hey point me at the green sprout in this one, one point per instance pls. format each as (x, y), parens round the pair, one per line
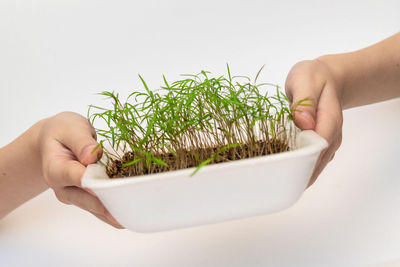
(198, 120)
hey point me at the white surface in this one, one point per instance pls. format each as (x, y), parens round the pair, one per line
(54, 55)
(216, 193)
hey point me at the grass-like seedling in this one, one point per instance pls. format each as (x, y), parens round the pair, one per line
(192, 122)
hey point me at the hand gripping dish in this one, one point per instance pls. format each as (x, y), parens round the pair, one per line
(218, 192)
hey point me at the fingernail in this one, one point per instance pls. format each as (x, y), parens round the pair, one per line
(87, 150)
(307, 115)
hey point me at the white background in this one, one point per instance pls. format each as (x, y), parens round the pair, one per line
(55, 55)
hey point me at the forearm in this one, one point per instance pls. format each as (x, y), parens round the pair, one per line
(20, 171)
(368, 75)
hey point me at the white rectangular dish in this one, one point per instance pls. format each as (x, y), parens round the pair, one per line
(216, 193)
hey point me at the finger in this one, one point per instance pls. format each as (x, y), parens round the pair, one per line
(323, 160)
(303, 88)
(319, 167)
(317, 170)
(106, 220)
(81, 198)
(76, 133)
(329, 113)
(329, 125)
(63, 172)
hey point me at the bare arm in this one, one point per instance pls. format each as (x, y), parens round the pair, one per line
(340, 81)
(368, 75)
(20, 172)
(52, 153)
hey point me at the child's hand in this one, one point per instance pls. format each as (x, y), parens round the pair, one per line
(66, 144)
(314, 79)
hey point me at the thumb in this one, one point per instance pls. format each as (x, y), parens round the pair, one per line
(303, 91)
(90, 153)
(77, 134)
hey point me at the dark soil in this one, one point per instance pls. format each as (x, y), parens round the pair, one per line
(189, 158)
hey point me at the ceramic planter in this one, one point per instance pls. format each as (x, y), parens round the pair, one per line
(218, 192)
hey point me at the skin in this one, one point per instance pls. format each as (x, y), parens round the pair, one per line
(53, 153)
(342, 81)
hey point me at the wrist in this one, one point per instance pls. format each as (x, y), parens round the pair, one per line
(21, 170)
(36, 143)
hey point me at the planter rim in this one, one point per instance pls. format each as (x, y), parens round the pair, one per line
(95, 176)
